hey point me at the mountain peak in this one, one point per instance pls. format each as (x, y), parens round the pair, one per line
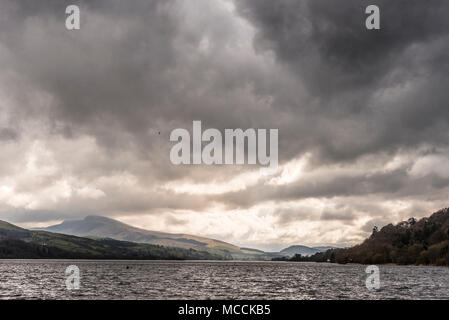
(99, 218)
(104, 227)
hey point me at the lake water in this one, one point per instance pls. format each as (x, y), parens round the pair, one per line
(46, 279)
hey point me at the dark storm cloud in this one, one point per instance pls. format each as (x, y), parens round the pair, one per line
(347, 68)
(115, 64)
(132, 73)
(348, 56)
(136, 70)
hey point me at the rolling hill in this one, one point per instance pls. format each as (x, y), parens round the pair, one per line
(302, 250)
(418, 242)
(99, 227)
(19, 243)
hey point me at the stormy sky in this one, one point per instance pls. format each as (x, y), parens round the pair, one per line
(363, 115)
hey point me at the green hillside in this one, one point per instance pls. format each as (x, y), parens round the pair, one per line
(418, 242)
(18, 243)
(102, 227)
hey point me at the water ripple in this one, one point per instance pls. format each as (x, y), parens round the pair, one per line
(45, 279)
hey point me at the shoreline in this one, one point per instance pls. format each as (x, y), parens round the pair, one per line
(214, 261)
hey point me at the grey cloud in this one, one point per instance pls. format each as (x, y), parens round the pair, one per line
(336, 185)
(286, 216)
(7, 134)
(340, 216)
(136, 70)
(346, 68)
(348, 55)
(172, 220)
(116, 202)
(131, 72)
(390, 185)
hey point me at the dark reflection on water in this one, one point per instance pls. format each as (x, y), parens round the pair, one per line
(45, 279)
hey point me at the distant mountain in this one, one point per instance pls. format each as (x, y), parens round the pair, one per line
(420, 242)
(102, 227)
(303, 250)
(19, 243)
(325, 248)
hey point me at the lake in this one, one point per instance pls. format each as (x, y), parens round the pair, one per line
(46, 279)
